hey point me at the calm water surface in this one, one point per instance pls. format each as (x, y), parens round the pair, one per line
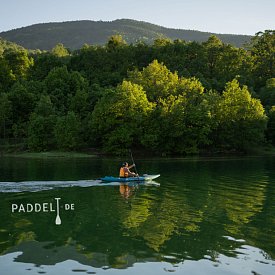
(202, 216)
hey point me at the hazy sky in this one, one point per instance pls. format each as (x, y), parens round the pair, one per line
(219, 16)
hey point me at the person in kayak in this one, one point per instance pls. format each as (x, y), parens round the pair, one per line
(125, 172)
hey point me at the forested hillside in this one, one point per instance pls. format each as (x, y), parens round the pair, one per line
(75, 34)
(171, 97)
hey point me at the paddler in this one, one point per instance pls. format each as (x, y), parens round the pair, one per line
(125, 172)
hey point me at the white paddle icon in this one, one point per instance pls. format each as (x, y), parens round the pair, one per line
(57, 219)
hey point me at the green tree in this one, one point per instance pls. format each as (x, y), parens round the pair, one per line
(7, 78)
(224, 63)
(23, 103)
(180, 122)
(43, 63)
(60, 51)
(262, 49)
(62, 85)
(267, 93)
(162, 41)
(67, 132)
(271, 125)
(142, 54)
(5, 45)
(5, 114)
(188, 59)
(191, 59)
(233, 62)
(79, 103)
(242, 120)
(213, 48)
(156, 80)
(119, 115)
(44, 106)
(116, 41)
(41, 126)
(19, 62)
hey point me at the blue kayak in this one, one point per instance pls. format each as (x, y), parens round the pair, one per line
(130, 179)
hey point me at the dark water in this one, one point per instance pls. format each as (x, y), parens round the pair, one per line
(202, 216)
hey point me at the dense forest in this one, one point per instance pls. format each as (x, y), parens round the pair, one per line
(74, 34)
(171, 97)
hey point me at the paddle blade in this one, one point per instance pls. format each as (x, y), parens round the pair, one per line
(57, 220)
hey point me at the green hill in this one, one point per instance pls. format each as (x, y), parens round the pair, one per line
(75, 34)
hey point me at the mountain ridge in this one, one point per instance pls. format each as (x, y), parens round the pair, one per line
(74, 34)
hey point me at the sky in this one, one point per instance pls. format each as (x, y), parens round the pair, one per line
(217, 16)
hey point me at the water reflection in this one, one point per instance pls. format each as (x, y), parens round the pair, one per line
(126, 190)
(214, 213)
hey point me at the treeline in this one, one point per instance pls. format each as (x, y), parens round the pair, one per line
(169, 97)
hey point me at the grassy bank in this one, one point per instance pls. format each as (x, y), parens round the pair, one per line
(40, 155)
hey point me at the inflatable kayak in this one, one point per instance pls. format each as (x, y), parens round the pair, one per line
(130, 179)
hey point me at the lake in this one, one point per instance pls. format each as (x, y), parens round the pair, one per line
(202, 216)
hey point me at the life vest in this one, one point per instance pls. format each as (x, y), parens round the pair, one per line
(123, 173)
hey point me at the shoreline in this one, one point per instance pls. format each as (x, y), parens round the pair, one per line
(95, 153)
(51, 154)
